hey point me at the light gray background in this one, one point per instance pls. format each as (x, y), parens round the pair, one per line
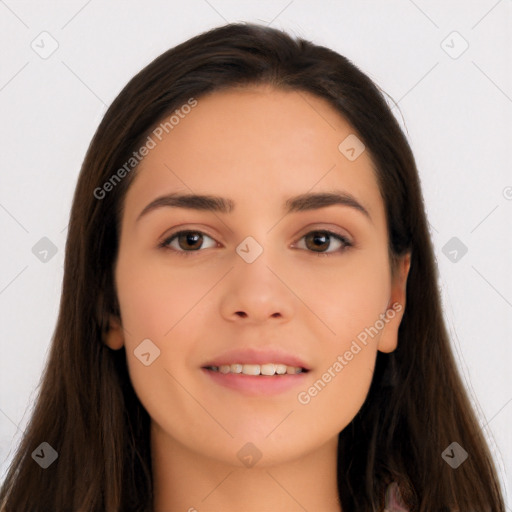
(457, 109)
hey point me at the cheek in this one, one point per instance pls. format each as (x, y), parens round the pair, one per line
(159, 304)
(347, 297)
(338, 393)
(154, 297)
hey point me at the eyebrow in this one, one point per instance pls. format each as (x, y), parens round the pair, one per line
(300, 203)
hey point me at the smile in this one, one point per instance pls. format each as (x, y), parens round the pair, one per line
(257, 380)
(257, 369)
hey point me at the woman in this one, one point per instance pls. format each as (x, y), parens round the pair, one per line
(250, 318)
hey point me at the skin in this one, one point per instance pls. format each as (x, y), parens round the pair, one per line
(257, 146)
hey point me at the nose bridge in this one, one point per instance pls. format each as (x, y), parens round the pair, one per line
(258, 232)
(257, 290)
(250, 249)
(257, 262)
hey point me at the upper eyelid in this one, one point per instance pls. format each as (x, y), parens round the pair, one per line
(309, 228)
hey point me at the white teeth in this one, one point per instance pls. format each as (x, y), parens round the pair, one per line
(251, 369)
(257, 369)
(236, 368)
(280, 369)
(268, 369)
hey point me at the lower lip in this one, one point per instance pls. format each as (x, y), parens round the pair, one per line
(257, 385)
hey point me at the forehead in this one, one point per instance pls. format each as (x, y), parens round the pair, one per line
(258, 145)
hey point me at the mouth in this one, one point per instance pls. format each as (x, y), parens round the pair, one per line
(268, 379)
(267, 369)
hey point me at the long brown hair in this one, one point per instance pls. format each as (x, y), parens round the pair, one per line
(86, 408)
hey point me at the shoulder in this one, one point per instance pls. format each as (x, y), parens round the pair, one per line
(394, 502)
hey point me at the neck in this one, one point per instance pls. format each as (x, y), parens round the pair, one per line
(186, 481)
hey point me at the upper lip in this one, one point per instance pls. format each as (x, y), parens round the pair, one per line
(257, 356)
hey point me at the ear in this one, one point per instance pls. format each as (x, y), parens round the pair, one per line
(113, 337)
(392, 317)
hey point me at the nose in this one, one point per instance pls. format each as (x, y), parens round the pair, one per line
(257, 291)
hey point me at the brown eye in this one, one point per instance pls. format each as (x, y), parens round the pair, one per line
(318, 241)
(187, 241)
(190, 240)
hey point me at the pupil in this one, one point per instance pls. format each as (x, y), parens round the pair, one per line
(190, 237)
(324, 244)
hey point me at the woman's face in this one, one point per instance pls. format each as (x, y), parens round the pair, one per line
(260, 284)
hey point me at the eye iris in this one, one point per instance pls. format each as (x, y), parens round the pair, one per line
(316, 236)
(188, 236)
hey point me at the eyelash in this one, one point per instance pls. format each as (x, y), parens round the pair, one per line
(344, 240)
